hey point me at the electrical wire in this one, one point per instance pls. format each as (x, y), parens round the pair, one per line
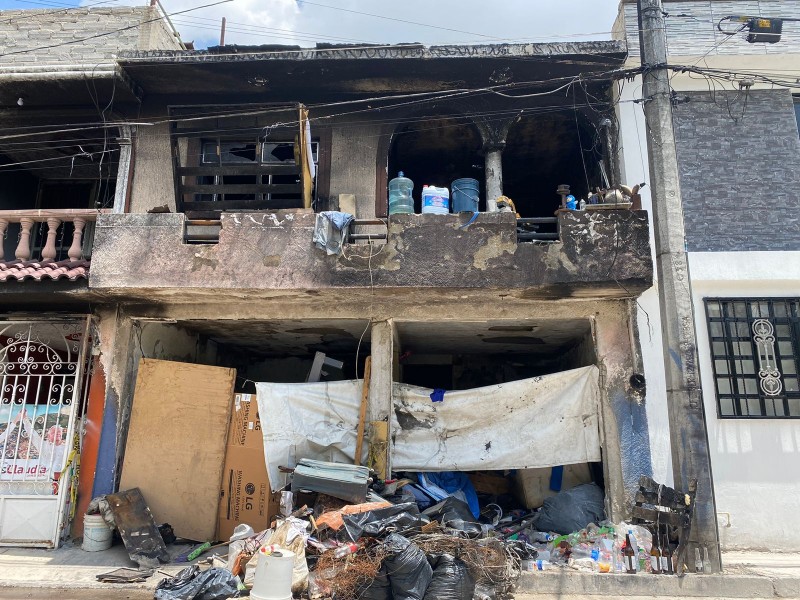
(439, 27)
(113, 31)
(57, 11)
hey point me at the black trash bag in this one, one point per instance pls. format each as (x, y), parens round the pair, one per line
(572, 510)
(167, 533)
(400, 518)
(408, 569)
(451, 579)
(454, 513)
(378, 588)
(191, 584)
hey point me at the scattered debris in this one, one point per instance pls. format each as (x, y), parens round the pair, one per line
(125, 575)
(193, 584)
(137, 528)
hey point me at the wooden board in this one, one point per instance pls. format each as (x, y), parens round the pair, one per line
(137, 528)
(175, 450)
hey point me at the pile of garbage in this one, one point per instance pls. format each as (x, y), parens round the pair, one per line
(342, 534)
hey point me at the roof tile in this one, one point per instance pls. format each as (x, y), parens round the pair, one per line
(22, 270)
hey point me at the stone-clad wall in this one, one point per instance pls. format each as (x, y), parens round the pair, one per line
(740, 171)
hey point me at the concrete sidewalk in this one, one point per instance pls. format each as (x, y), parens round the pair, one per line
(69, 572)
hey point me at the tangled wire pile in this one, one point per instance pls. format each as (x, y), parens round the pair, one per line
(488, 560)
(345, 577)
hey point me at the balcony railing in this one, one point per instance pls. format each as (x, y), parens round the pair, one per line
(31, 244)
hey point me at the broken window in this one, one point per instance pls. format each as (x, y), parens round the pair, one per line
(243, 158)
(755, 350)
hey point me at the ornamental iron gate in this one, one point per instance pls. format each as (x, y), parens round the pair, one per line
(43, 386)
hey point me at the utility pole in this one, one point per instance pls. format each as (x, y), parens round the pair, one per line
(687, 424)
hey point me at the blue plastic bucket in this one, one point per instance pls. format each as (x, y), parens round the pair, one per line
(465, 195)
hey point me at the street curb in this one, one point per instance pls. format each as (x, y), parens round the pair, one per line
(568, 582)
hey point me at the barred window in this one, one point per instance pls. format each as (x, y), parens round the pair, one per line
(755, 347)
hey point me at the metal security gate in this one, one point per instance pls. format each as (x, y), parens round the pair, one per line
(43, 384)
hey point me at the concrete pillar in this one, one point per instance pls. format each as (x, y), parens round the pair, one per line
(624, 430)
(383, 368)
(493, 165)
(124, 169)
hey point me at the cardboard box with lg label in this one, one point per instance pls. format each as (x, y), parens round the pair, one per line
(245, 495)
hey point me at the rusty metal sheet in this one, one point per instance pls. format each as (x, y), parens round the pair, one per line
(137, 528)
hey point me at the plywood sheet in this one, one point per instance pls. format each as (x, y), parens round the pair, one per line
(175, 450)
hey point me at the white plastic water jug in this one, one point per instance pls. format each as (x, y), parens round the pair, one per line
(435, 200)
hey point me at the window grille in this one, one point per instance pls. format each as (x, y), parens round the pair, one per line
(755, 347)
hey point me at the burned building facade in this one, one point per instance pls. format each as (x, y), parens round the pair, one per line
(202, 250)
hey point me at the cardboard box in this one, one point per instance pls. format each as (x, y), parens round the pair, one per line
(245, 494)
(490, 483)
(533, 485)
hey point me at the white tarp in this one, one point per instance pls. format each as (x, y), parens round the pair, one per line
(532, 423)
(538, 422)
(308, 420)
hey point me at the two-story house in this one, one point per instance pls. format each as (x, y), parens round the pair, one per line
(206, 254)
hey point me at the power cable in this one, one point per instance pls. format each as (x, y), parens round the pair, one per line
(439, 27)
(113, 31)
(58, 11)
(250, 27)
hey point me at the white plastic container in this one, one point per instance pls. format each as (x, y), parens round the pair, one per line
(96, 534)
(273, 578)
(435, 200)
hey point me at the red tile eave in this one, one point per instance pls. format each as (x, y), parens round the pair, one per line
(29, 270)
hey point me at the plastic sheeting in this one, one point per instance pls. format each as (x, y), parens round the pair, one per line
(308, 420)
(531, 423)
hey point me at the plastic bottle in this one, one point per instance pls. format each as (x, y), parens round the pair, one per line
(400, 199)
(582, 204)
(542, 565)
(698, 562)
(571, 202)
(344, 550)
(542, 537)
(435, 200)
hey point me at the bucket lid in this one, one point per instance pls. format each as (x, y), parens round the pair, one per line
(259, 597)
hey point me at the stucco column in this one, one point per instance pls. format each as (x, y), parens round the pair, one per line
(624, 430)
(493, 165)
(380, 384)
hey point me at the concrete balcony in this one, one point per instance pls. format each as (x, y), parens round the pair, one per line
(601, 255)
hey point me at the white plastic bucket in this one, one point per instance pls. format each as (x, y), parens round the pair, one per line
(96, 534)
(435, 200)
(273, 578)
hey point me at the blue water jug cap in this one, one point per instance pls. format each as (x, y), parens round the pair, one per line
(400, 174)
